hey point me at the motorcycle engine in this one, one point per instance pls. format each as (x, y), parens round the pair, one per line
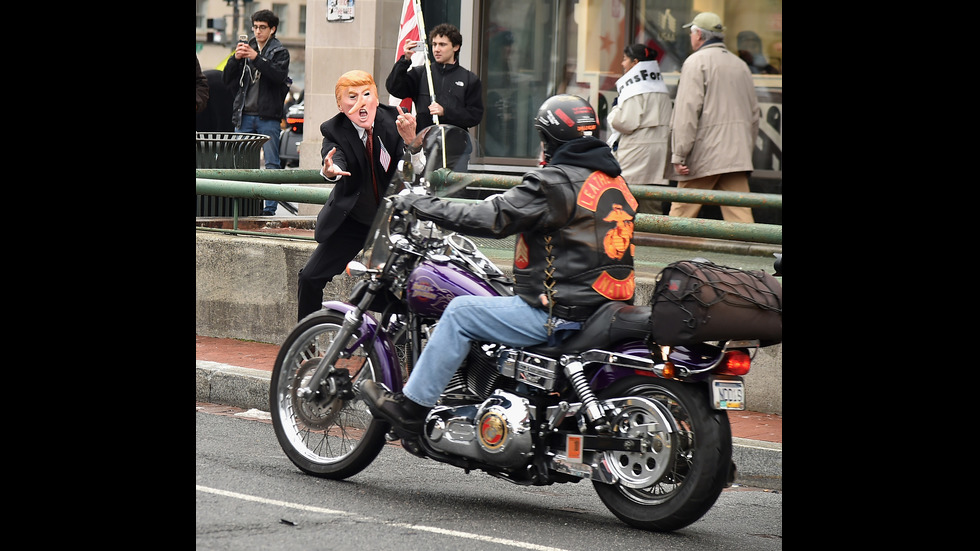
(497, 432)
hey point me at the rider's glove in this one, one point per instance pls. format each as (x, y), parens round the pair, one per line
(403, 203)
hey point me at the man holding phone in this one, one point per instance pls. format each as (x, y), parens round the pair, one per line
(260, 68)
(458, 91)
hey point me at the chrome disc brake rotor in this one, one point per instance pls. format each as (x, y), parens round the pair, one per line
(320, 412)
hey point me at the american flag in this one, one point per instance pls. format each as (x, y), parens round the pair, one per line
(385, 157)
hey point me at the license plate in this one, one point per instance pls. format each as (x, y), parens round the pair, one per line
(728, 394)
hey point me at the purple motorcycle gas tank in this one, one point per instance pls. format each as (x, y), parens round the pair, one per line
(432, 285)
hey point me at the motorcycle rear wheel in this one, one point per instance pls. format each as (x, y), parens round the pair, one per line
(329, 437)
(702, 459)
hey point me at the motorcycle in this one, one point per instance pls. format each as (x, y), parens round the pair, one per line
(646, 424)
(291, 136)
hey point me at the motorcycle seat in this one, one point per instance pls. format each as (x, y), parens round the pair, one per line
(612, 322)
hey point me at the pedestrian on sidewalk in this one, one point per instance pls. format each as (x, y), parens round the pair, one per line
(203, 90)
(641, 115)
(260, 67)
(458, 91)
(715, 121)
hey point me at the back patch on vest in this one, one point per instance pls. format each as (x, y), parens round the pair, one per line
(597, 184)
(615, 289)
(619, 239)
(611, 198)
(607, 196)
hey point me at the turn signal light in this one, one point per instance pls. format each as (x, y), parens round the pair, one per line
(736, 363)
(666, 370)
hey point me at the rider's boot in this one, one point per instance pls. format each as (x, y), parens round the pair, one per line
(394, 407)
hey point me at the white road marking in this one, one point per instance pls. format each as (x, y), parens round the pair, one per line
(421, 528)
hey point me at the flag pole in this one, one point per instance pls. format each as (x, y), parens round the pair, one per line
(425, 50)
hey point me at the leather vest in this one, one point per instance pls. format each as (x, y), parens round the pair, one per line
(588, 261)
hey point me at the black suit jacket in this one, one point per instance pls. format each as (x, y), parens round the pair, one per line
(339, 132)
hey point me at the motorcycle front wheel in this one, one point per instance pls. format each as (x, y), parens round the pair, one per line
(701, 462)
(333, 435)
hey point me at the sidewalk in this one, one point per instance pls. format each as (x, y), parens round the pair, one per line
(247, 366)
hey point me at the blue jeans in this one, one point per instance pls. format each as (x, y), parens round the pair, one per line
(252, 124)
(506, 320)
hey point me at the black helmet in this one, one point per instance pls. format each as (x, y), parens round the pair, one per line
(563, 118)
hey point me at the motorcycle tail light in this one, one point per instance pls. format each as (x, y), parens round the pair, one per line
(294, 120)
(736, 362)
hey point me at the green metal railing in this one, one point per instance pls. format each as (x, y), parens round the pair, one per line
(255, 184)
(229, 150)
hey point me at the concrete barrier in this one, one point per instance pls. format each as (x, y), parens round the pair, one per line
(246, 289)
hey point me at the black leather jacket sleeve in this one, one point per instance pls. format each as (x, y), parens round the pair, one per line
(532, 205)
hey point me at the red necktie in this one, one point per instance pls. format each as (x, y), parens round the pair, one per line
(369, 144)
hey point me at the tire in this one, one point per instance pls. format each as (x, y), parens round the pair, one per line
(333, 437)
(701, 461)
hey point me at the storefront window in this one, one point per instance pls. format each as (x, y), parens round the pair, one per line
(534, 49)
(753, 29)
(519, 54)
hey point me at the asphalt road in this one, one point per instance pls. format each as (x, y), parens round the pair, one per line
(250, 496)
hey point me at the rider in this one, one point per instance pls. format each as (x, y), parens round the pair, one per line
(574, 223)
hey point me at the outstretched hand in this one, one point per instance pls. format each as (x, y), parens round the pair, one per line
(331, 170)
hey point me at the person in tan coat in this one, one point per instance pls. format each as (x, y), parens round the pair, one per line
(715, 121)
(641, 115)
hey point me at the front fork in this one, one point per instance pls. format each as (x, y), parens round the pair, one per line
(354, 319)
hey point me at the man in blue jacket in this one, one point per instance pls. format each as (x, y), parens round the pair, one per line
(260, 68)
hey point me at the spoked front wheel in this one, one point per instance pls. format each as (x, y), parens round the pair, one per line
(665, 497)
(333, 434)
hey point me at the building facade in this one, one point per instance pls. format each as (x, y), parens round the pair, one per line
(524, 52)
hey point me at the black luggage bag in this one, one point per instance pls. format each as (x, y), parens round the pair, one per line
(696, 301)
